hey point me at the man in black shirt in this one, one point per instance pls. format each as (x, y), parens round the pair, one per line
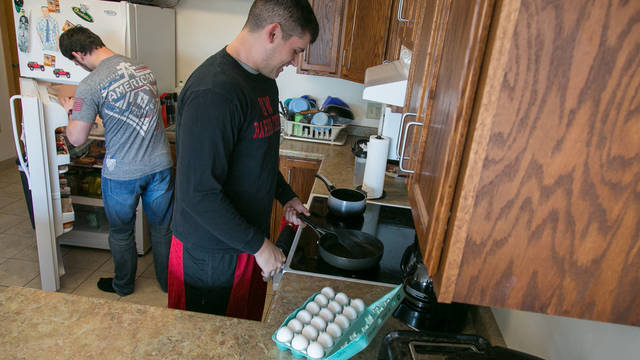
(227, 142)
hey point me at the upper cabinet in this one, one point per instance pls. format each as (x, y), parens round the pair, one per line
(526, 167)
(352, 37)
(403, 26)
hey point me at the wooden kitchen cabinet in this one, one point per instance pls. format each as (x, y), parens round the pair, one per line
(300, 174)
(405, 20)
(352, 37)
(527, 170)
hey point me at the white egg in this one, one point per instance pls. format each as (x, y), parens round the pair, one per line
(342, 298)
(326, 314)
(295, 325)
(335, 307)
(350, 312)
(321, 300)
(328, 292)
(325, 340)
(358, 304)
(310, 332)
(304, 316)
(313, 308)
(334, 330)
(315, 351)
(299, 342)
(319, 323)
(284, 335)
(342, 321)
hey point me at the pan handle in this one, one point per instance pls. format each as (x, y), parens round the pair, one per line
(326, 181)
(307, 220)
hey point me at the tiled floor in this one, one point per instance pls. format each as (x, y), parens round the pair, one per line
(83, 266)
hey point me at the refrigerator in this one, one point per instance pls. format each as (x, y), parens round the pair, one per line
(143, 33)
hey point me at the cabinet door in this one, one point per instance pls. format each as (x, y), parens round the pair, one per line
(446, 112)
(405, 20)
(366, 25)
(322, 56)
(300, 174)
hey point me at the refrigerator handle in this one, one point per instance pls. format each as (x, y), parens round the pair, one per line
(16, 138)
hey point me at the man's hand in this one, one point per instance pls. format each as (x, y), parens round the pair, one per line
(291, 210)
(270, 258)
(67, 103)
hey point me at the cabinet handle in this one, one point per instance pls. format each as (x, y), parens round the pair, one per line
(400, 6)
(404, 143)
(400, 131)
(16, 138)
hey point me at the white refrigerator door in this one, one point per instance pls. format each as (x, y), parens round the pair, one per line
(41, 115)
(38, 48)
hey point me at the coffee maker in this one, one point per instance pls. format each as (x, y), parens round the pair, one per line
(420, 309)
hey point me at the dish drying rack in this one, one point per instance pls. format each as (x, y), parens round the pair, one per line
(327, 134)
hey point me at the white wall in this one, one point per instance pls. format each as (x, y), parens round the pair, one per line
(556, 337)
(204, 27)
(7, 147)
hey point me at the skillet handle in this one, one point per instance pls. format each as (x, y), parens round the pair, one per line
(307, 220)
(326, 181)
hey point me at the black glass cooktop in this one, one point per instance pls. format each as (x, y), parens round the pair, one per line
(392, 225)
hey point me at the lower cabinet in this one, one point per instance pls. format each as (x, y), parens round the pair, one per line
(300, 174)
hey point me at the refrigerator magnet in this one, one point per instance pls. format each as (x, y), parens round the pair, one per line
(47, 28)
(18, 4)
(54, 6)
(83, 12)
(67, 25)
(23, 32)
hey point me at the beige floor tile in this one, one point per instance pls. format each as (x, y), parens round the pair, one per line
(12, 190)
(89, 287)
(3, 288)
(149, 272)
(10, 176)
(29, 253)
(7, 200)
(143, 264)
(8, 223)
(15, 272)
(147, 292)
(11, 245)
(22, 228)
(14, 207)
(86, 258)
(68, 283)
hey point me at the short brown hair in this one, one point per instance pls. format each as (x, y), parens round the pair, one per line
(79, 39)
(295, 17)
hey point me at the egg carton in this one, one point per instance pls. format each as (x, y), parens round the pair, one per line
(354, 338)
(330, 134)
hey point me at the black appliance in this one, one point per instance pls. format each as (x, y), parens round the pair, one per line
(390, 224)
(443, 346)
(420, 309)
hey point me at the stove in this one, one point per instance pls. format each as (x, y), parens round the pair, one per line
(393, 225)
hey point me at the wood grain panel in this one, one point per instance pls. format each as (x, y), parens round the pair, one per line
(323, 55)
(365, 34)
(556, 218)
(431, 187)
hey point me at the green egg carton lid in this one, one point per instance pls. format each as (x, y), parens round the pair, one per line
(358, 335)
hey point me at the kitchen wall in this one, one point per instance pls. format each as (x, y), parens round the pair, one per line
(7, 147)
(204, 27)
(562, 338)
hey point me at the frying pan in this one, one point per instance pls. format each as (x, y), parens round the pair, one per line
(346, 248)
(343, 201)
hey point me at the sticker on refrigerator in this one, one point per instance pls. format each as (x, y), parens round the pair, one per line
(34, 65)
(54, 6)
(83, 12)
(67, 25)
(18, 4)
(61, 72)
(47, 28)
(23, 32)
(49, 60)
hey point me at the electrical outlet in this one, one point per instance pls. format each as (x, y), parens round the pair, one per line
(374, 110)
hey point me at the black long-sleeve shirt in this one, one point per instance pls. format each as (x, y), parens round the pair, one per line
(227, 143)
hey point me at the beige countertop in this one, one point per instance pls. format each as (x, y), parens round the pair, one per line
(337, 166)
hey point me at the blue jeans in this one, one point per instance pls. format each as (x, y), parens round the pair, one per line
(120, 199)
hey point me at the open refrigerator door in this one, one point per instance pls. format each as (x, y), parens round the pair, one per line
(46, 161)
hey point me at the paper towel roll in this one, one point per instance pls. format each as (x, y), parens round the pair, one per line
(377, 151)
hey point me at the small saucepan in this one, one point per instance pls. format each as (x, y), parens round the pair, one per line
(343, 201)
